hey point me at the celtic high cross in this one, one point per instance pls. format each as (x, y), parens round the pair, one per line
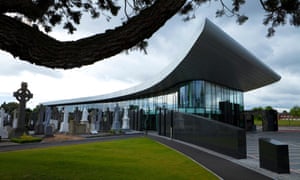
(23, 95)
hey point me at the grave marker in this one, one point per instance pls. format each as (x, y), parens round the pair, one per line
(23, 95)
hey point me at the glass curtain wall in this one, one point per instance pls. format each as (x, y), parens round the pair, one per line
(204, 98)
(197, 97)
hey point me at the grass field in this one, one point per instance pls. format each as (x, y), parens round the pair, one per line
(280, 123)
(136, 158)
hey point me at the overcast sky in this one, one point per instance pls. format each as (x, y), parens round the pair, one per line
(281, 53)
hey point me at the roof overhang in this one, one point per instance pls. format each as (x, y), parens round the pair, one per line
(214, 57)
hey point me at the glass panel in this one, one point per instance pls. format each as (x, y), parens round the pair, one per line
(208, 102)
(198, 96)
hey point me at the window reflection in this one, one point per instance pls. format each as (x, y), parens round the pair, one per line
(198, 97)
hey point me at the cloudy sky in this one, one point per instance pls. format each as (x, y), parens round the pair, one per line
(281, 53)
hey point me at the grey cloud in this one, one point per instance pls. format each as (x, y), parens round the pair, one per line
(6, 97)
(14, 67)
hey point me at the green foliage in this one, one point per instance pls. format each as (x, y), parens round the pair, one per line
(26, 139)
(134, 158)
(258, 108)
(257, 122)
(258, 112)
(267, 108)
(10, 107)
(295, 111)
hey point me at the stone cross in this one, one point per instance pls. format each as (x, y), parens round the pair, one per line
(22, 95)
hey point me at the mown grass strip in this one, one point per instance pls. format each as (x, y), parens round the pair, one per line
(136, 158)
(292, 123)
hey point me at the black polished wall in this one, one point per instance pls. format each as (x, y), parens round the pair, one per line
(214, 135)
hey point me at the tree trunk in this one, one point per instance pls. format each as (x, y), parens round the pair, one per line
(32, 45)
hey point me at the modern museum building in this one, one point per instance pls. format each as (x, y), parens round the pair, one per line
(208, 81)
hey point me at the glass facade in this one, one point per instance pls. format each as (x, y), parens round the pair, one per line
(196, 97)
(204, 98)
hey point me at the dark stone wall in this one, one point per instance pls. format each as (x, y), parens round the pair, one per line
(211, 134)
(270, 120)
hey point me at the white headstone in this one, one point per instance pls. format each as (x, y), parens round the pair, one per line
(54, 124)
(64, 126)
(15, 120)
(84, 118)
(125, 119)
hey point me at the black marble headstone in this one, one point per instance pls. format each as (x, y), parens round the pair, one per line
(274, 155)
(270, 120)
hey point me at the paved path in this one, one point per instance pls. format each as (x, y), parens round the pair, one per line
(222, 167)
(288, 135)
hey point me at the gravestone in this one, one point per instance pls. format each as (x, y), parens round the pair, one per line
(48, 131)
(125, 120)
(84, 120)
(55, 113)
(270, 120)
(93, 116)
(31, 127)
(3, 130)
(15, 119)
(2, 114)
(23, 95)
(39, 126)
(56, 116)
(77, 115)
(274, 155)
(116, 120)
(84, 117)
(99, 120)
(64, 126)
(7, 120)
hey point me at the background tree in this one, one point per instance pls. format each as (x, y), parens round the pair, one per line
(257, 113)
(10, 107)
(268, 108)
(295, 111)
(21, 20)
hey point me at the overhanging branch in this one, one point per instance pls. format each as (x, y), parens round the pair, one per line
(32, 45)
(25, 7)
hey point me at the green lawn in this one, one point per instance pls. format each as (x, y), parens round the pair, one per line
(280, 123)
(136, 158)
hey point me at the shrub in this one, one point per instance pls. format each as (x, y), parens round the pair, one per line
(26, 139)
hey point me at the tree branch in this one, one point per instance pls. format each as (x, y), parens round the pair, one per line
(32, 45)
(26, 7)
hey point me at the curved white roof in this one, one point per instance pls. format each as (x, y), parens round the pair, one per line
(214, 57)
